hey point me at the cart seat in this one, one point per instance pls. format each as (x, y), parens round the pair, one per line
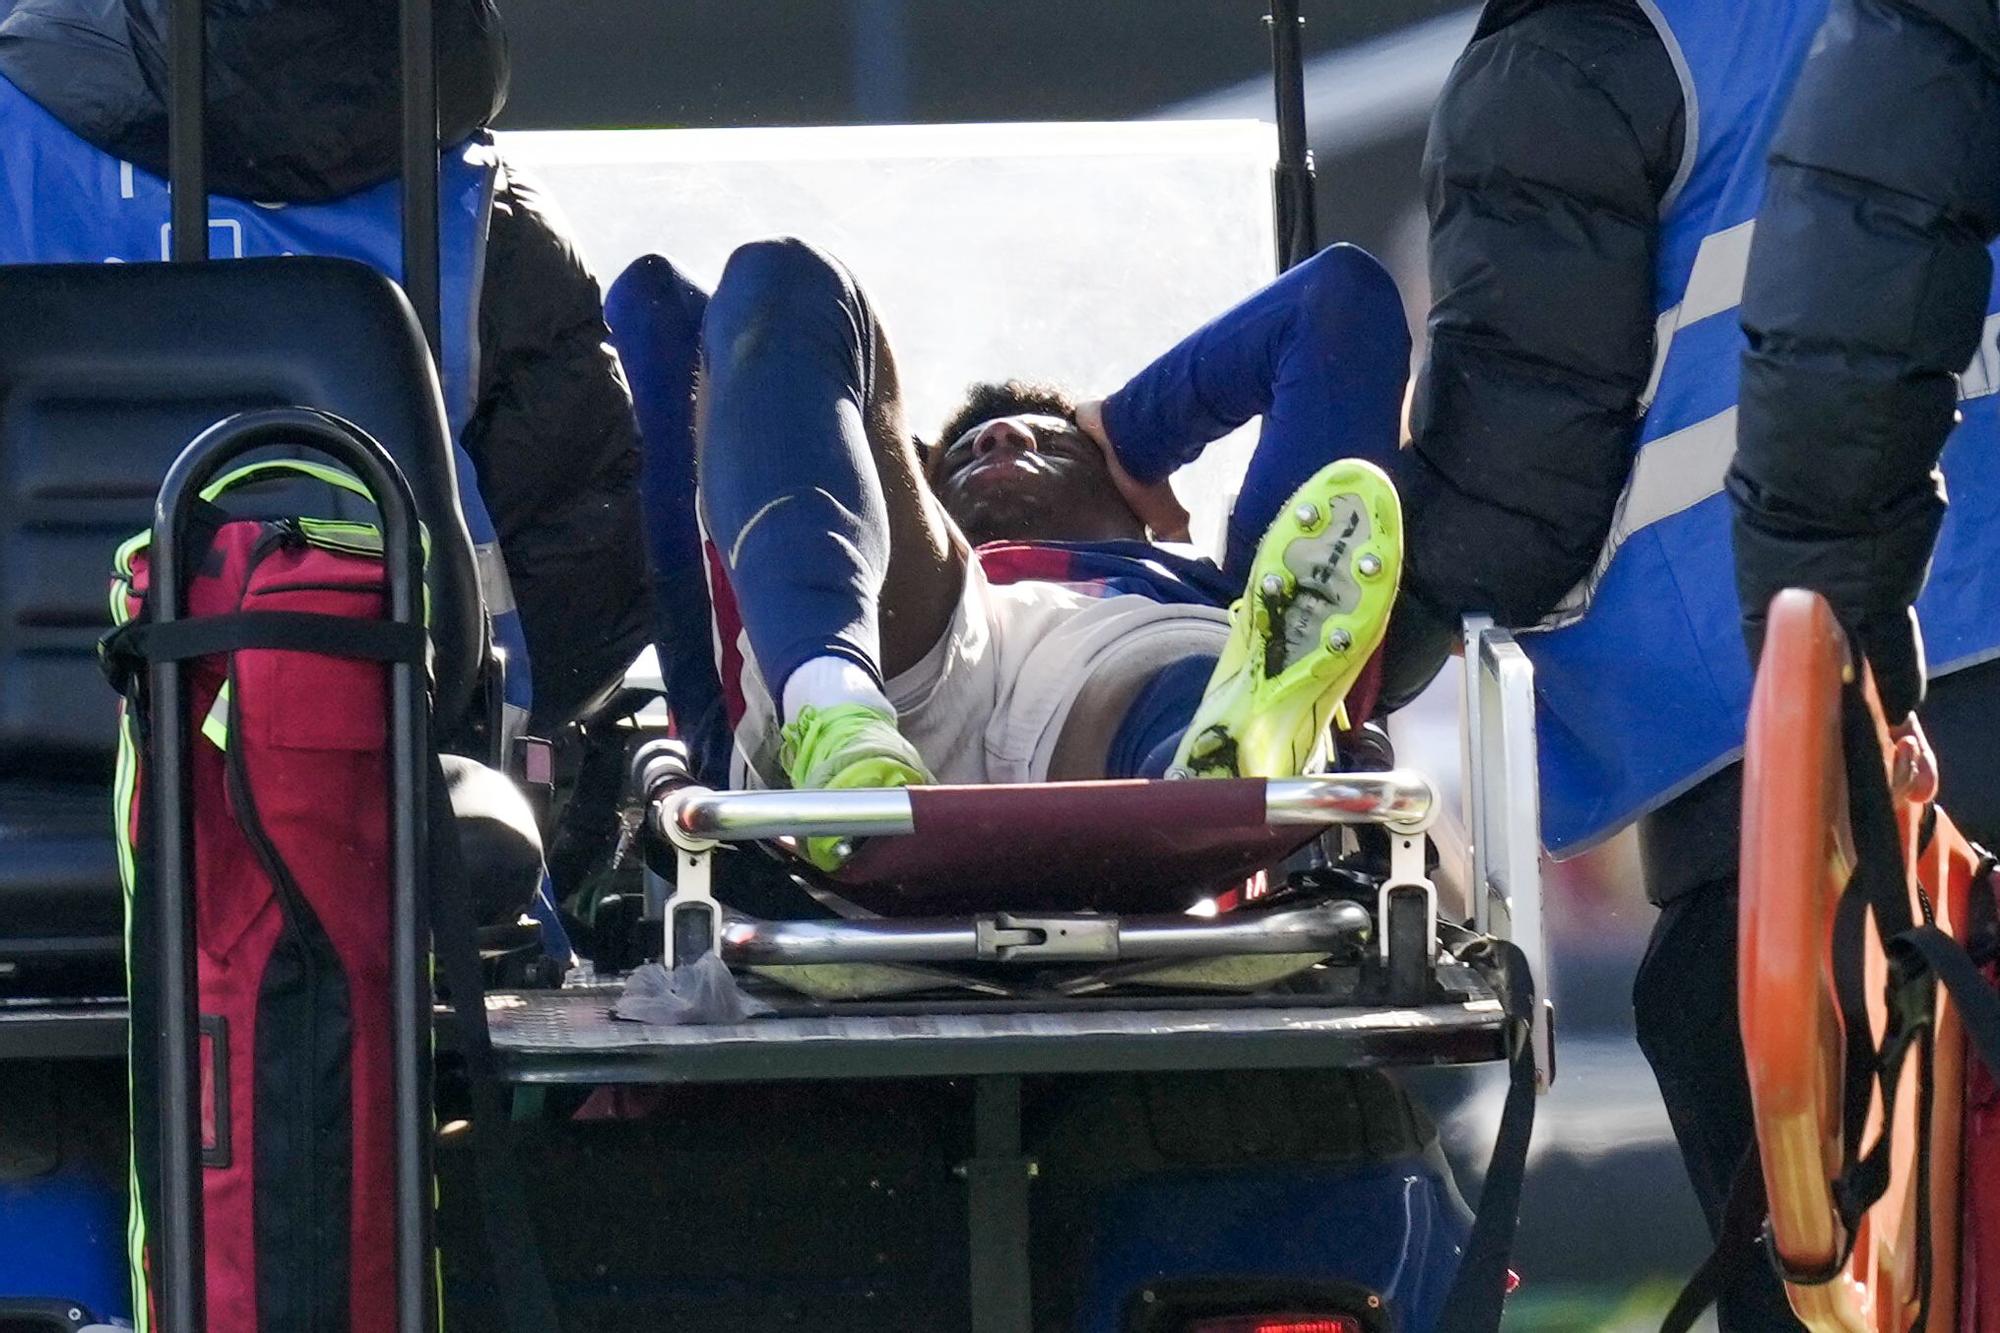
(59, 877)
(106, 372)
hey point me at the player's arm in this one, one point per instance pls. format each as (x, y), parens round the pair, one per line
(1321, 353)
(1866, 295)
(1551, 149)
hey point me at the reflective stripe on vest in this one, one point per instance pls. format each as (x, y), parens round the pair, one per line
(1679, 470)
(1642, 680)
(69, 202)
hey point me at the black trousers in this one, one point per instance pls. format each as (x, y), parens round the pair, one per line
(1684, 999)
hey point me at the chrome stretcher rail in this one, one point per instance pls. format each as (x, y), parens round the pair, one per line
(1400, 798)
(1046, 937)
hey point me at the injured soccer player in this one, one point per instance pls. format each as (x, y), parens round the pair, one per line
(993, 607)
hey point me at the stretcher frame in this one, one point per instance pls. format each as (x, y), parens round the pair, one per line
(1500, 815)
(548, 1038)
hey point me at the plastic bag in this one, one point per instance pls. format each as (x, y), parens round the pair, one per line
(703, 991)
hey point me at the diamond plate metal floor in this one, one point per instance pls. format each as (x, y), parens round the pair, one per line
(572, 1037)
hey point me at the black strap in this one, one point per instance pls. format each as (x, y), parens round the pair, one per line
(1479, 1290)
(1978, 1003)
(295, 631)
(1878, 888)
(1850, 940)
(203, 524)
(1926, 1106)
(519, 1280)
(1738, 1247)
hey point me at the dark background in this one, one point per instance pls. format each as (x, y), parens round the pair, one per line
(838, 62)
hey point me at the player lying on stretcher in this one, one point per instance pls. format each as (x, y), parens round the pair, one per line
(989, 608)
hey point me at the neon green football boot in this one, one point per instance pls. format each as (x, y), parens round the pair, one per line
(847, 745)
(1317, 605)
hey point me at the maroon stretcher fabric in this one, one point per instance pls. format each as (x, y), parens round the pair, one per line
(1117, 846)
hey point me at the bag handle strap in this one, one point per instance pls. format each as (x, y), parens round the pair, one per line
(512, 1252)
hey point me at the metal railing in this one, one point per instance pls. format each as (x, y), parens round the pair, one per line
(693, 815)
(1502, 808)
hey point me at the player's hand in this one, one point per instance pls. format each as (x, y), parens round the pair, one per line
(1913, 764)
(1155, 503)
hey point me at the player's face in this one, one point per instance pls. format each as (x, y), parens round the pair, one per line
(1031, 477)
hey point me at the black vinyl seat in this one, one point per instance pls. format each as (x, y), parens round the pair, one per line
(106, 372)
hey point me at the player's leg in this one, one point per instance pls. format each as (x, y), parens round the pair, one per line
(1337, 388)
(1315, 606)
(655, 312)
(845, 569)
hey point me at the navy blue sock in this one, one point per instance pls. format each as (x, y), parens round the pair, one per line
(1338, 390)
(1321, 353)
(655, 314)
(788, 478)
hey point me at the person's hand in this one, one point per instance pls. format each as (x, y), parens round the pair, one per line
(1155, 503)
(1913, 773)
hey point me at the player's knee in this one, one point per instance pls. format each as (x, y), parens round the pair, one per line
(1344, 290)
(771, 287)
(781, 274)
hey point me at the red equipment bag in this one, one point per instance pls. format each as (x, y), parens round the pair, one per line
(288, 782)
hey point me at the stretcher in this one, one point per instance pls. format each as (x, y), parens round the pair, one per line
(1066, 898)
(1859, 897)
(1386, 975)
(1095, 886)
(993, 933)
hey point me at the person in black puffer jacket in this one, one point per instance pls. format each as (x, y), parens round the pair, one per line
(1555, 148)
(304, 106)
(1866, 298)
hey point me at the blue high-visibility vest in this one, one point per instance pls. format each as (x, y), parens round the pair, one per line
(1642, 679)
(67, 201)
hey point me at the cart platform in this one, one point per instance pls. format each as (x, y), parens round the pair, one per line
(570, 1036)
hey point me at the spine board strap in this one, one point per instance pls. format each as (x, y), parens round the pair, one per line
(1920, 958)
(519, 1278)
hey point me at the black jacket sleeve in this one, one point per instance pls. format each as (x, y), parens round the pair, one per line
(1865, 298)
(557, 451)
(1552, 145)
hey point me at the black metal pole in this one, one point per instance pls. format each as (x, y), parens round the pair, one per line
(409, 939)
(187, 170)
(997, 1203)
(1292, 179)
(182, 1286)
(212, 451)
(420, 166)
(412, 994)
(181, 1277)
